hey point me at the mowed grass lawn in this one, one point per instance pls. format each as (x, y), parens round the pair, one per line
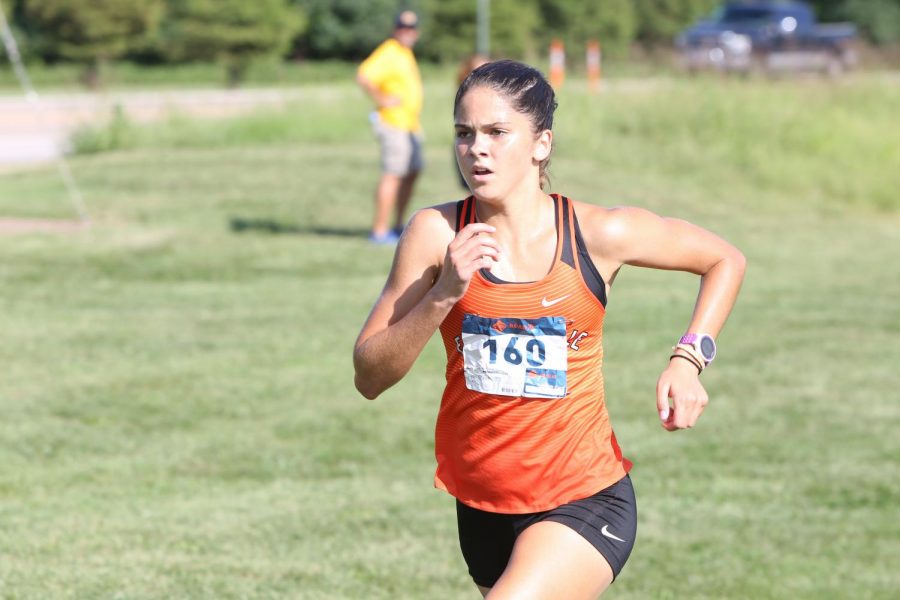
(178, 413)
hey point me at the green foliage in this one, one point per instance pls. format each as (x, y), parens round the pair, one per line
(612, 22)
(14, 11)
(513, 27)
(828, 10)
(524, 29)
(95, 31)
(235, 32)
(879, 20)
(348, 29)
(302, 19)
(659, 21)
(450, 30)
(575, 22)
(117, 134)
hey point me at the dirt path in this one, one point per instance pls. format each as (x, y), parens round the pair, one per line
(36, 132)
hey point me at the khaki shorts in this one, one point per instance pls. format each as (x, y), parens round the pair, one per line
(401, 151)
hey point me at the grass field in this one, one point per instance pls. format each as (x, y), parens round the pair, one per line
(178, 413)
(269, 73)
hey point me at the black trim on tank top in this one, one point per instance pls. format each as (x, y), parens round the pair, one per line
(494, 279)
(567, 254)
(459, 209)
(589, 272)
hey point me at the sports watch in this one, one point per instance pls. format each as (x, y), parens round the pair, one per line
(700, 345)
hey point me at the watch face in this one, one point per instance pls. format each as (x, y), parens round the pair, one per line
(707, 348)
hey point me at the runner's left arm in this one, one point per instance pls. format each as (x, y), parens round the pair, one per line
(638, 237)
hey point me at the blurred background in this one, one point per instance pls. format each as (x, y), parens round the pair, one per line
(113, 40)
(116, 48)
(185, 194)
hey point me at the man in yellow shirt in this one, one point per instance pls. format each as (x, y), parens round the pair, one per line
(390, 76)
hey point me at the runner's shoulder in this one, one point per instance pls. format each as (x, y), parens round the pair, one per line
(438, 221)
(431, 229)
(606, 229)
(607, 223)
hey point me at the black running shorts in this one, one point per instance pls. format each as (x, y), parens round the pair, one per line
(608, 520)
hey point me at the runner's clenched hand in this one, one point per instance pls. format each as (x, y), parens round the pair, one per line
(472, 249)
(680, 382)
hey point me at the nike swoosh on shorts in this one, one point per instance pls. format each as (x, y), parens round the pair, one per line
(605, 531)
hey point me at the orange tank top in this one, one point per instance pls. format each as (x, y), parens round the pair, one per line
(523, 425)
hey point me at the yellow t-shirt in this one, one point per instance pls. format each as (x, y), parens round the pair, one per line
(393, 70)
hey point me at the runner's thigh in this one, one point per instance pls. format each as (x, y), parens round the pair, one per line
(551, 560)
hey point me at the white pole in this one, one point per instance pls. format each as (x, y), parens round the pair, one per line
(12, 50)
(483, 44)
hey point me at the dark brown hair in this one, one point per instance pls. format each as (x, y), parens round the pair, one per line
(524, 87)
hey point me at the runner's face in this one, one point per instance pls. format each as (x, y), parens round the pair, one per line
(496, 147)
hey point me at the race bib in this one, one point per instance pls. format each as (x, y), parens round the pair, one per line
(515, 357)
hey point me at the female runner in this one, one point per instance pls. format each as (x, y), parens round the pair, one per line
(517, 281)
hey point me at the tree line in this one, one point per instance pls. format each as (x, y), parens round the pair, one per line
(348, 29)
(236, 32)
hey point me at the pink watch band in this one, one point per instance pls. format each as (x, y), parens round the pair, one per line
(688, 338)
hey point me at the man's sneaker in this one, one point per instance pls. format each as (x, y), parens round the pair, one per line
(389, 238)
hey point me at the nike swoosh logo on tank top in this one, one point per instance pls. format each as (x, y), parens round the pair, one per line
(548, 303)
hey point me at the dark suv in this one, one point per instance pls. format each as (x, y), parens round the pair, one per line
(768, 37)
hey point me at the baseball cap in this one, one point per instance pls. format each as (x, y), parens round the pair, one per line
(406, 19)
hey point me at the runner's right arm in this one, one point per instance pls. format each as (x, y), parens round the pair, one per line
(431, 272)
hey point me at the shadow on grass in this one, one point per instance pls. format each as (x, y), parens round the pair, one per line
(274, 227)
